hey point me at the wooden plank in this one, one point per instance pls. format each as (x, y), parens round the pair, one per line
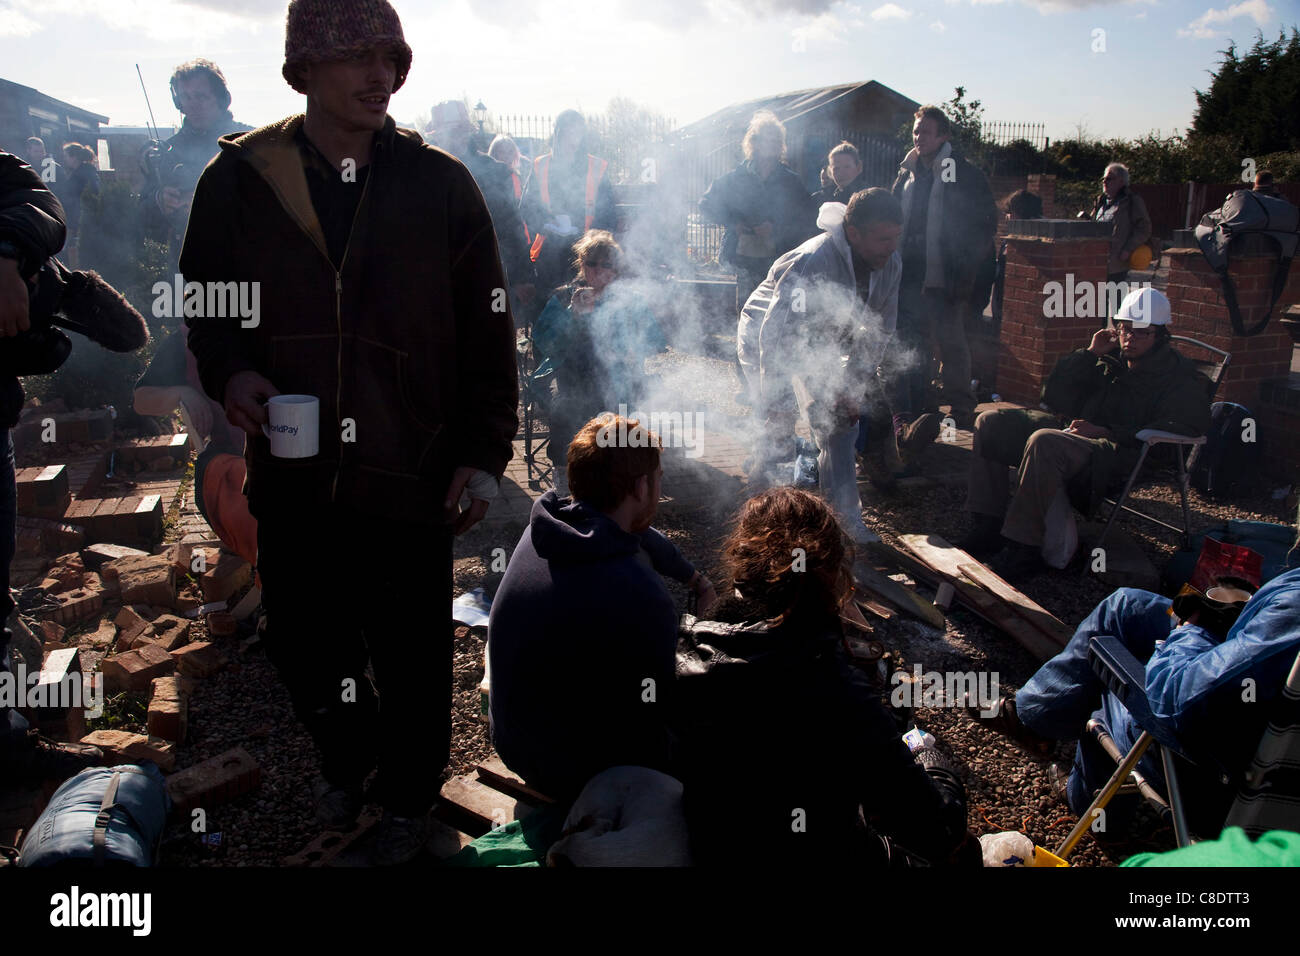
(907, 601)
(949, 561)
(497, 775)
(468, 805)
(850, 614)
(992, 609)
(1021, 604)
(875, 607)
(985, 606)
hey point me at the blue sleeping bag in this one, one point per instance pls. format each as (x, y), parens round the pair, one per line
(103, 815)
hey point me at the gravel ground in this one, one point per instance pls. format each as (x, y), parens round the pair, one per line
(247, 706)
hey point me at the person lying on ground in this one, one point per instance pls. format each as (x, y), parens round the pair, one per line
(582, 629)
(1100, 397)
(1209, 689)
(765, 692)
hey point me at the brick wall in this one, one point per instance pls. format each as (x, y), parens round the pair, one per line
(1196, 298)
(1031, 342)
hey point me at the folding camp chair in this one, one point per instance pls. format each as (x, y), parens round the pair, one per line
(1214, 370)
(1268, 794)
(534, 400)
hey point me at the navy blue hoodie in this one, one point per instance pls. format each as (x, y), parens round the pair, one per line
(582, 619)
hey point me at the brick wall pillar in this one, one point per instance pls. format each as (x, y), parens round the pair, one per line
(1196, 300)
(1071, 252)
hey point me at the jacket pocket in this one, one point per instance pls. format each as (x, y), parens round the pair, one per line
(396, 430)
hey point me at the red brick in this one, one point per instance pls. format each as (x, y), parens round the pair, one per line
(188, 598)
(43, 492)
(131, 623)
(215, 781)
(135, 669)
(223, 578)
(168, 709)
(149, 580)
(49, 631)
(169, 632)
(201, 659)
(75, 605)
(223, 623)
(120, 746)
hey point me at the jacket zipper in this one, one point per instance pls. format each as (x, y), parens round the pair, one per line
(338, 311)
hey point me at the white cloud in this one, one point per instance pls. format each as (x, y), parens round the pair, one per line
(890, 11)
(1202, 28)
(14, 24)
(823, 29)
(937, 26)
(167, 21)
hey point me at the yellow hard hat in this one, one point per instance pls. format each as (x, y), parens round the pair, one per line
(1141, 257)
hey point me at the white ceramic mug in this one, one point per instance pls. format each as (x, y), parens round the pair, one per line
(294, 428)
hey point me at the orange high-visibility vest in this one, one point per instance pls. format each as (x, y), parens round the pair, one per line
(519, 194)
(595, 172)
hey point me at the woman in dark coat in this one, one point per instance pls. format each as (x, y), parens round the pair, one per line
(786, 753)
(83, 178)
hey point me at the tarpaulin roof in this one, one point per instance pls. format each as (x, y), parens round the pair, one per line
(789, 106)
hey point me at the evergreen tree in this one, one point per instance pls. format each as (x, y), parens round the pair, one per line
(1252, 99)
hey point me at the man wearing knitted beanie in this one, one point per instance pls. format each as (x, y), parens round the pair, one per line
(377, 290)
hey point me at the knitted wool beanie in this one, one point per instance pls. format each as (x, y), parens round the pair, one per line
(325, 30)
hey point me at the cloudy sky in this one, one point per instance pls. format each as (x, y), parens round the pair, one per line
(1115, 67)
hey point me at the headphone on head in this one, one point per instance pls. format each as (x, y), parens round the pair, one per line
(214, 73)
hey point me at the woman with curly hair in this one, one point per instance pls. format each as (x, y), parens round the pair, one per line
(786, 752)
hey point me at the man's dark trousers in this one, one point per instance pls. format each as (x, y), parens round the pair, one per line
(340, 588)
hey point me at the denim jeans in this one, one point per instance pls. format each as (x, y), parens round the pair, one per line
(837, 472)
(1064, 693)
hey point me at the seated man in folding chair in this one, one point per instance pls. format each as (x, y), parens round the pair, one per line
(1208, 684)
(1101, 398)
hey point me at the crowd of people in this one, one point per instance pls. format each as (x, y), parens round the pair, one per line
(381, 265)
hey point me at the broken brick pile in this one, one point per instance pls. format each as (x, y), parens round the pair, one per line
(143, 644)
(107, 605)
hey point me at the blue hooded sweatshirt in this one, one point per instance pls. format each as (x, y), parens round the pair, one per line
(582, 621)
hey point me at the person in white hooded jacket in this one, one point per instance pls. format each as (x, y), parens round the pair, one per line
(812, 334)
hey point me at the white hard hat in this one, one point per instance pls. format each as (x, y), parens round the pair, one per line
(1144, 307)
